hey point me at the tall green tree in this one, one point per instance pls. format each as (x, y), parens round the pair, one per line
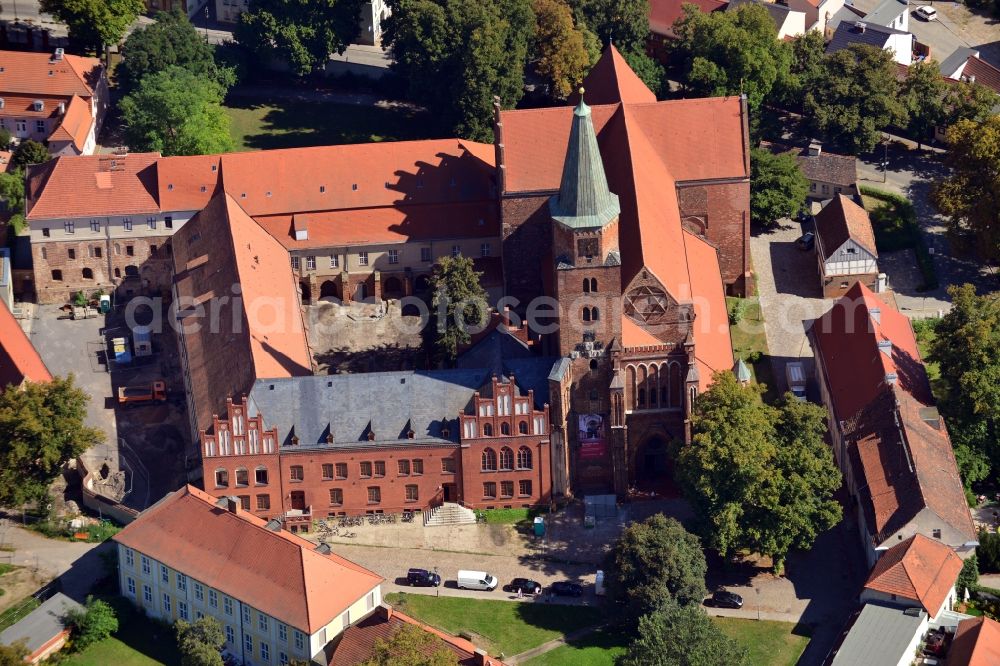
(650, 71)
(777, 186)
(93, 624)
(924, 97)
(29, 152)
(199, 642)
(177, 113)
(969, 101)
(561, 53)
(95, 24)
(970, 194)
(12, 190)
(653, 563)
(625, 23)
(967, 349)
(456, 55)
(41, 428)
(807, 53)
(302, 33)
(410, 645)
(726, 53)
(676, 635)
(760, 477)
(171, 41)
(856, 97)
(459, 303)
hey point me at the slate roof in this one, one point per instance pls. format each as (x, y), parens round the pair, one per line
(842, 220)
(919, 568)
(826, 167)
(873, 35)
(276, 572)
(976, 643)
(41, 625)
(778, 12)
(886, 12)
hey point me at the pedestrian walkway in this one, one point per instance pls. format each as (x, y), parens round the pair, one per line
(549, 646)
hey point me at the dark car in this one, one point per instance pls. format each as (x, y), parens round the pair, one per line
(564, 588)
(422, 578)
(807, 241)
(725, 599)
(525, 585)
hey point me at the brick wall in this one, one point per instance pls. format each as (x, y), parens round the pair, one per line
(838, 285)
(722, 212)
(527, 242)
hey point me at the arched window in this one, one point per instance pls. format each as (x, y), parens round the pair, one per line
(595, 314)
(487, 430)
(504, 428)
(642, 397)
(88, 274)
(593, 285)
(489, 460)
(242, 476)
(586, 285)
(506, 458)
(524, 458)
(586, 314)
(522, 427)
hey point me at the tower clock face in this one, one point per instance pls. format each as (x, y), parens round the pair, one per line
(646, 303)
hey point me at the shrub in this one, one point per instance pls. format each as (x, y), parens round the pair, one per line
(968, 577)
(737, 309)
(92, 625)
(988, 552)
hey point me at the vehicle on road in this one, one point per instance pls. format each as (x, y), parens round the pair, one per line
(135, 395)
(422, 578)
(796, 375)
(525, 585)
(926, 13)
(807, 241)
(476, 580)
(725, 599)
(565, 588)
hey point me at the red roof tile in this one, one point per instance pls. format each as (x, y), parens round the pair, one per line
(986, 74)
(842, 219)
(918, 568)
(634, 335)
(76, 124)
(611, 80)
(664, 13)
(19, 360)
(36, 74)
(713, 347)
(976, 643)
(85, 185)
(187, 182)
(275, 572)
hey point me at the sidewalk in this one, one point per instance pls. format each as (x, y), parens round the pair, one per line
(549, 646)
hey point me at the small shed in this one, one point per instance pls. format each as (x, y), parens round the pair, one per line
(43, 630)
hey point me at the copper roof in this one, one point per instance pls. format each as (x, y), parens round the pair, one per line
(19, 360)
(842, 219)
(976, 643)
(918, 568)
(276, 572)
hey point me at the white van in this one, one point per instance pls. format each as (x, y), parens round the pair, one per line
(476, 580)
(796, 375)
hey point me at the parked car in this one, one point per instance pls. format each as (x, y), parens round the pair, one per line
(807, 241)
(796, 375)
(804, 216)
(564, 588)
(725, 599)
(927, 13)
(476, 580)
(422, 578)
(525, 585)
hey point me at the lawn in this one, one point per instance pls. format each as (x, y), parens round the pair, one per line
(506, 627)
(138, 642)
(749, 340)
(258, 124)
(770, 643)
(111, 651)
(13, 615)
(599, 648)
(925, 331)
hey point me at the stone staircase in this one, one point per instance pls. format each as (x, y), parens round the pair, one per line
(450, 513)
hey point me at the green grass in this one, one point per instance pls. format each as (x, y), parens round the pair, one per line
(507, 516)
(13, 615)
(894, 221)
(110, 651)
(770, 643)
(926, 333)
(599, 648)
(138, 642)
(6, 568)
(258, 124)
(749, 340)
(507, 627)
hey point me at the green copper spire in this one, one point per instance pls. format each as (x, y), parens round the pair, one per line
(584, 200)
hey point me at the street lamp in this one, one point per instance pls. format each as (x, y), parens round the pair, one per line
(757, 595)
(885, 157)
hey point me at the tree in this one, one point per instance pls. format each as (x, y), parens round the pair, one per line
(41, 427)
(14, 654)
(12, 190)
(623, 22)
(410, 646)
(200, 642)
(171, 41)
(459, 303)
(655, 562)
(856, 97)
(969, 101)
(562, 55)
(760, 477)
(93, 624)
(95, 24)
(808, 50)
(777, 186)
(302, 33)
(967, 349)
(29, 152)
(176, 113)
(726, 53)
(456, 55)
(5, 139)
(970, 194)
(647, 69)
(677, 635)
(924, 97)
(968, 577)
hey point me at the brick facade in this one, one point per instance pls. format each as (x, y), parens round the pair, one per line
(720, 212)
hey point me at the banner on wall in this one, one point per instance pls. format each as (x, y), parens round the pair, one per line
(592, 440)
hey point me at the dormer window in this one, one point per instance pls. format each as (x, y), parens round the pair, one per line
(1, 102)
(371, 436)
(38, 105)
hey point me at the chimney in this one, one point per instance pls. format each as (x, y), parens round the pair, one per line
(482, 659)
(882, 283)
(860, 27)
(57, 55)
(62, 108)
(876, 315)
(815, 149)
(387, 611)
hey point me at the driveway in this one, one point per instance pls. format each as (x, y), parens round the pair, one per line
(77, 565)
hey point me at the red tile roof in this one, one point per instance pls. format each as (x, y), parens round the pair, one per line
(986, 74)
(187, 182)
(664, 13)
(36, 74)
(359, 640)
(275, 572)
(76, 124)
(634, 335)
(611, 81)
(85, 185)
(19, 360)
(713, 347)
(976, 643)
(842, 219)
(918, 568)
